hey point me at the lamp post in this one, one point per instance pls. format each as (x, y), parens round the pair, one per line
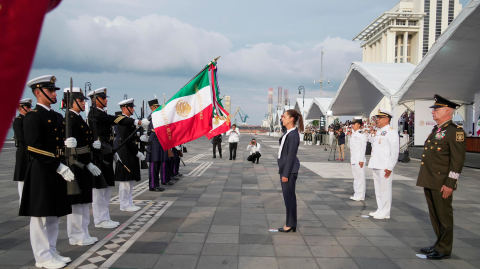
(287, 100)
(321, 78)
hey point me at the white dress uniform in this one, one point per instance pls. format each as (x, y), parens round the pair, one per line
(358, 145)
(385, 149)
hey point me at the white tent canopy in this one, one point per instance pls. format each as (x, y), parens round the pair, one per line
(300, 108)
(318, 108)
(451, 68)
(366, 84)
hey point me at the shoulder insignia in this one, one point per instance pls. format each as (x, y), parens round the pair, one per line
(33, 110)
(460, 137)
(18, 117)
(118, 119)
(391, 128)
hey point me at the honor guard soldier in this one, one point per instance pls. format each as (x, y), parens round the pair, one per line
(442, 162)
(101, 197)
(78, 221)
(358, 145)
(177, 153)
(385, 148)
(129, 172)
(44, 196)
(21, 156)
(154, 150)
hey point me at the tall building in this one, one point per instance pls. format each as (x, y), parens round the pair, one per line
(285, 96)
(405, 33)
(270, 104)
(228, 104)
(280, 100)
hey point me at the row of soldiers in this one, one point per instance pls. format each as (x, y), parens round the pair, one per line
(45, 172)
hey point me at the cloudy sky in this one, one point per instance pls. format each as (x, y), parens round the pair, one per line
(144, 48)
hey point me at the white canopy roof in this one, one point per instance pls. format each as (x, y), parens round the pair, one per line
(285, 108)
(451, 68)
(318, 108)
(366, 84)
(299, 105)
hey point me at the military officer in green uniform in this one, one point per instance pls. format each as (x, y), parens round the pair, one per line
(442, 162)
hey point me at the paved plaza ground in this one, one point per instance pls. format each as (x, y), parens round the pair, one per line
(220, 212)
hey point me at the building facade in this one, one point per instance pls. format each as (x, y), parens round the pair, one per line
(406, 32)
(228, 104)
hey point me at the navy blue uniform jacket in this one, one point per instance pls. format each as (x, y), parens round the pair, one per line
(288, 163)
(157, 154)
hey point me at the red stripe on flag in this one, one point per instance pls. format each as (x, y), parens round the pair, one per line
(186, 130)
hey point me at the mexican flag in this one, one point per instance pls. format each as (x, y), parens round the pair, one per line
(221, 124)
(187, 115)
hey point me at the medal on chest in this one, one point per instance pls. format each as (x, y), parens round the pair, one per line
(440, 134)
(383, 133)
(380, 141)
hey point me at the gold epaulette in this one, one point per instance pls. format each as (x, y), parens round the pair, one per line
(118, 119)
(391, 128)
(34, 110)
(18, 117)
(39, 151)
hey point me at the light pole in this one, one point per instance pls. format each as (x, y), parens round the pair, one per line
(287, 100)
(300, 88)
(321, 78)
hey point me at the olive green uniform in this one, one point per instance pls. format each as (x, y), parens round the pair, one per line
(442, 163)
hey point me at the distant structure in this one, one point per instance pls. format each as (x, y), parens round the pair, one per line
(405, 33)
(280, 100)
(285, 94)
(270, 104)
(228, 104)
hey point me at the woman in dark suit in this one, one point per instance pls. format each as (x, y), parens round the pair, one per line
(288, 165)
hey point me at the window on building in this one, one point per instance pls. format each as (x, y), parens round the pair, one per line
(426, 25)
(399, 48)
(451, 11)
(438, 25)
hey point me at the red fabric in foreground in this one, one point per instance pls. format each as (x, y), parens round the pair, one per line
(186, 130)
(20, 25)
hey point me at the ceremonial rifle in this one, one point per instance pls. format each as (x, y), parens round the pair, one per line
(70, 153)
(143, 164)
(99, 182)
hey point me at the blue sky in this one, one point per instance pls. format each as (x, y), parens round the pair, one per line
(147, 48)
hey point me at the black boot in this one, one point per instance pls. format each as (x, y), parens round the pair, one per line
(258, 159)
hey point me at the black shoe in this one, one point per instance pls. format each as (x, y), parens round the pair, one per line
(427, 250)
(160, 189)
(437, 256)
(179, 175)
(175, 178)
(230, 159)
(286, 231)
(168, 183)
(258, 161)
(214, 157)
(220, 156)
(154, 189)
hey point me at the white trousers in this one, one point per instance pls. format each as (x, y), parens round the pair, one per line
(43, 237)
(77, 223)
(101, 200)
(20, 191)
(383, 191)
(125, 191)
(359, 184)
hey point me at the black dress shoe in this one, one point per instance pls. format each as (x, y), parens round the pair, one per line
(160, 189)
(258, 161)
(220, 156)
(154, 189)
(230, 159)
(286, 231)
(175, 178)
(427, 250)
(437, 256)
(168, 183)
(179, 175)
(214, 157)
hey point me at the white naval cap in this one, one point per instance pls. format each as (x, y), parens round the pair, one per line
(77, 93)
(384, 112)
(100, 92)
(26, 102)
(47, 82)
(127, 103)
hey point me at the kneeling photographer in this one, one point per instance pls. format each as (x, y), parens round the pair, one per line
(255, 152)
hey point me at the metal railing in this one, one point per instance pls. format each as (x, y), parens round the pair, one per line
(406, 145)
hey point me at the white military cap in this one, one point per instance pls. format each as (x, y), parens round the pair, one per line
(77, 93)
(26, 102)
(127, 103)
(384, 112)
(47, 82)
(101, 92)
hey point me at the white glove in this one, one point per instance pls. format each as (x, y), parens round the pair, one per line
(93, 169)
(97, 145)
(145, 123)
(71, 142)
(65, 172)
(116, 157)
(143, 138)
(140, 156)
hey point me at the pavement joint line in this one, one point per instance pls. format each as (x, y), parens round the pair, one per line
(204, 169)
(192, 173)
(102, 242)
(108, 263)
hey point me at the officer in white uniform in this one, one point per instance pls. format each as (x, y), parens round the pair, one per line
(385, 148)
(358, 145)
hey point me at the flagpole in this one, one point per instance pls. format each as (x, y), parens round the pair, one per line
(208, 65)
